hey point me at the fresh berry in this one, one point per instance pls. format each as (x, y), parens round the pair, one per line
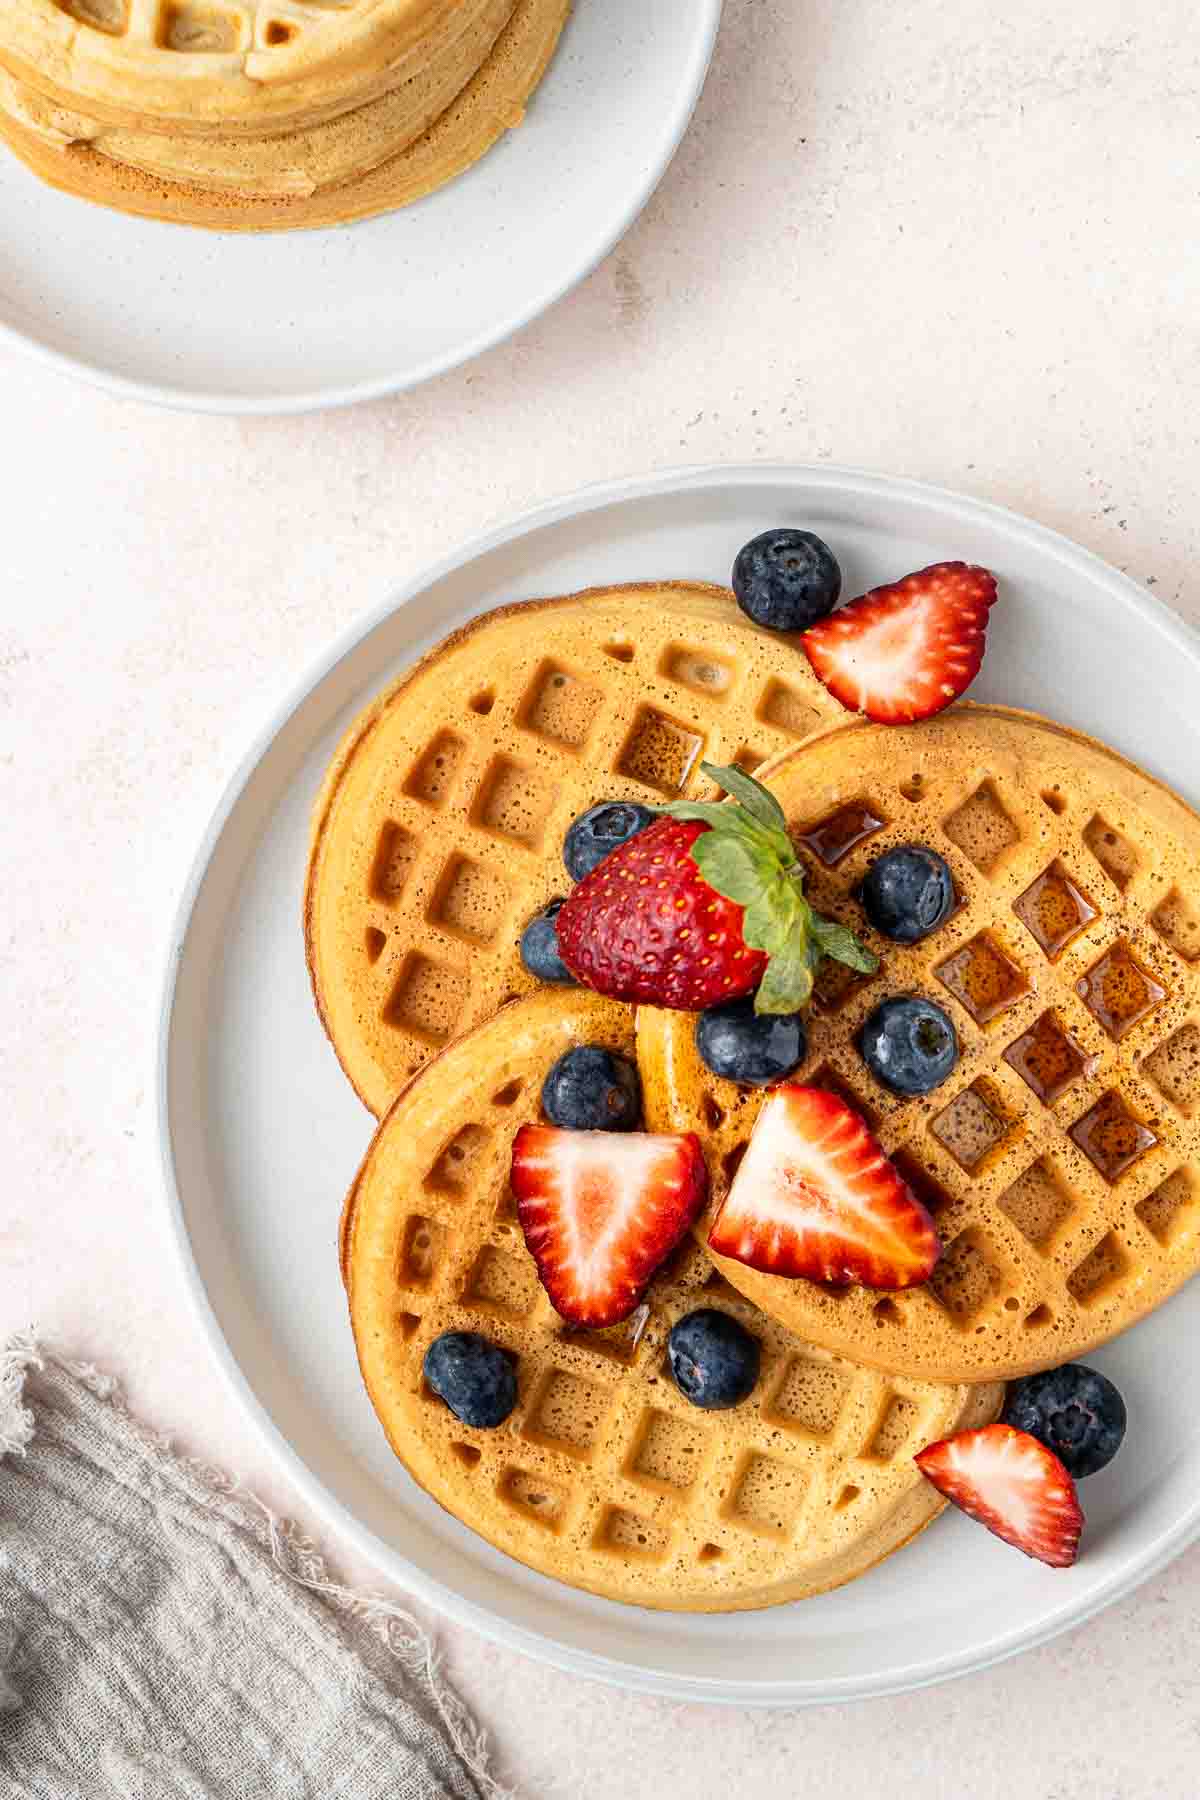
(1013, 1485)
(601, 1211)
(714, 1360)
(539, 947)
(909, 1044)
(786, 579)
(703, 906)
(907, 893)
(599, 830)
(590, 1088)
(473, 1376)
(814, 1195)
(1075, 1411)
(904, 652)
(739, 1044)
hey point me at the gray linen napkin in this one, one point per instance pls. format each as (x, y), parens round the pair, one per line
(164, 1637)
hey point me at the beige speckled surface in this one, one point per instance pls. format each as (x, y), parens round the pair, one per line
(966, 241)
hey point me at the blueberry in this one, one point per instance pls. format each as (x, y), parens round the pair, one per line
(907, 892)
(473, 1376)
(786, 579)
(539, 947)
(600, 829)
(739, 1044)
(1074, 1411)
(714, 1360)
(590, 1088)
(909, 1044)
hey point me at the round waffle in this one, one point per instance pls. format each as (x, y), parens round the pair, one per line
(305, 174)
(1061, 1160)
(438, 831)
(604, 1476)
(296, 163)
(230, 67)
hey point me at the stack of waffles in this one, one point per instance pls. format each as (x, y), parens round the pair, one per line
(1059, 1159)
(265, 114)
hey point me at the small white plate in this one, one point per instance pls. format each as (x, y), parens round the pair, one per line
(261, 1134)
(294, 321)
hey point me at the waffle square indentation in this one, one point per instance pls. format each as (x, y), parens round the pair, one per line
(502, 1283)
(469, 901)
(568, 1414)
(660, 752)
(435, 771)
(1112, 1137)
(982, 828)
(1102, 1269)
(766, 1495)
(513, 802)
(1119, 992)
(893, 1429)
(427, 998)
(966, 1279)
(1054, 910)
(1174, 1068)
(1115, 854)
(1171, 1206)
(1038, 1202)
(1047, 1058)
(1178, 924)
(560, 706)
(809, 1396)
(983, 977)
(666, 1453)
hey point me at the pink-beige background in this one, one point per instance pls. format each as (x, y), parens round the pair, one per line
(956, 242)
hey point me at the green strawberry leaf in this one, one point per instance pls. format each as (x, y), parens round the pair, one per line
(787, 981)
(733, 866)
(714, 813)
(772, 921)
(839, 942)
(758, 801)
(747, 856)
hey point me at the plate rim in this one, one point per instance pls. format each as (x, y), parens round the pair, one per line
(1139, 1566)
(233, 403)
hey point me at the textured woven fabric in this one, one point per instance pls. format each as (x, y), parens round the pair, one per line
(162, 1637)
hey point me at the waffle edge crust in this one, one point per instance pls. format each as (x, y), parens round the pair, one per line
(1061, 1159)
(604, 1477)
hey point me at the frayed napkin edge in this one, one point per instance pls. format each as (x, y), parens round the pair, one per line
(292, 1552)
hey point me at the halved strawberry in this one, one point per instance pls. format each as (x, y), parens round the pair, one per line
(905, 651)
(600, 1210)
(814, 1195)
(1013, 1485)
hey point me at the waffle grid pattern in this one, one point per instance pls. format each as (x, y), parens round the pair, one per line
(442, 834)
(605, 1475)
(245, 67)
(1061, 1159)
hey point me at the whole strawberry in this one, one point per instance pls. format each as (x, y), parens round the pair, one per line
(704, 905)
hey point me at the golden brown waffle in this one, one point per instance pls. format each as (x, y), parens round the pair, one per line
(487, 107)
(297, 163)
(229, 67)
(439, 829)
(1060, 1159)
(604, 1476)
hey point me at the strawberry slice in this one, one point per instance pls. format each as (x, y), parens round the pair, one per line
(905, 651)
(600, 1210)
(1013, 1485)
(814, 1195)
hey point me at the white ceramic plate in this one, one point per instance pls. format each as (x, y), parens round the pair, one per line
(261, 1134)
(287, 323)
